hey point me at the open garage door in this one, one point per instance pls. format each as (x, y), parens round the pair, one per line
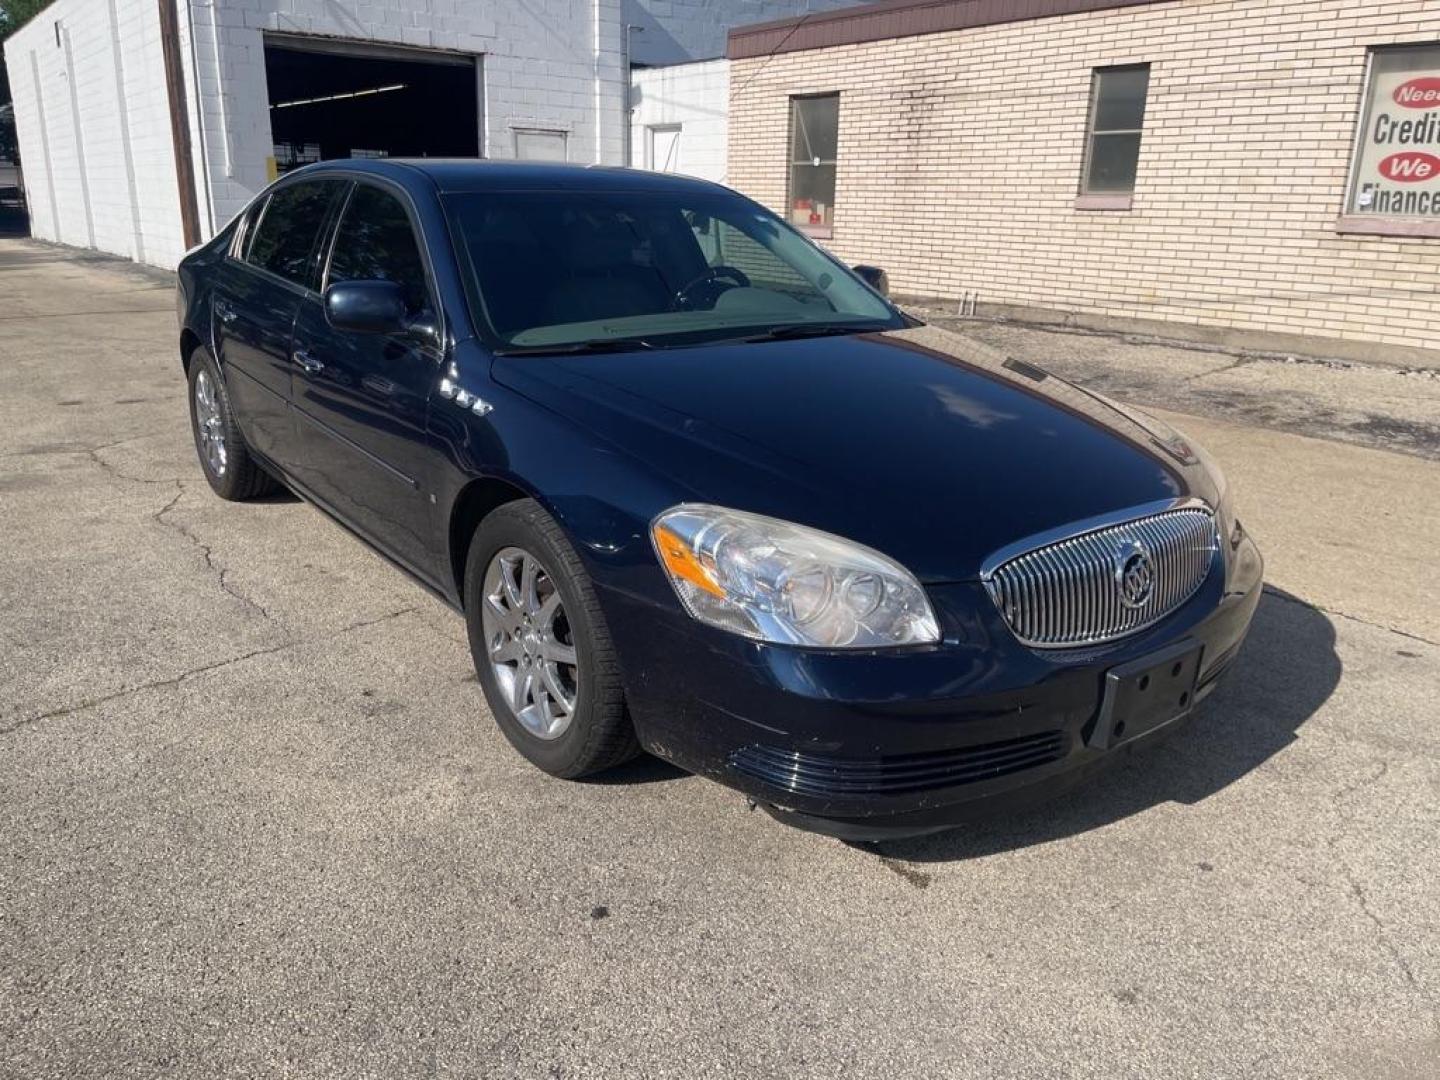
(336, 99)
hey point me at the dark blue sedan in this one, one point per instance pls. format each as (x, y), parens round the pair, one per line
(700, 489)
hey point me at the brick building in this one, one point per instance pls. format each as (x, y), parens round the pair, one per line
(1262, 171)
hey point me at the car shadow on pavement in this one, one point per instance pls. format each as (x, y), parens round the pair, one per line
(1286, 670)
(644, 769)
(278, 497)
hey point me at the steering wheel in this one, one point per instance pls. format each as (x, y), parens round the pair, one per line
(711, 275)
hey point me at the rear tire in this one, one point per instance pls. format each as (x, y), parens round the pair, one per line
(542, 651)
(224, 458)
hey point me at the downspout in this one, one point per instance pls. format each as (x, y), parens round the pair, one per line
(220, 96)
(117, 55)
(80, 169)
(200, 115)
(45, 147)
(626, 111)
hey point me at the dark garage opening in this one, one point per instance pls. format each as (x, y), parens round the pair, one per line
(334, 100)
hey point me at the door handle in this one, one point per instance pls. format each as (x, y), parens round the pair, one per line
(308, 362)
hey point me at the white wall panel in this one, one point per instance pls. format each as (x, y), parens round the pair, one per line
(94, 127)
(693, 97)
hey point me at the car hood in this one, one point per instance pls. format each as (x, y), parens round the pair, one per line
(920, 443)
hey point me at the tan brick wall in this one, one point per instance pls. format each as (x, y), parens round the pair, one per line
(960, 156)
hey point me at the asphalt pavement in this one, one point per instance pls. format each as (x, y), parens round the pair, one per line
(258, 822)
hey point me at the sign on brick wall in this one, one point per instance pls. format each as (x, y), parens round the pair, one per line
(1397, 163)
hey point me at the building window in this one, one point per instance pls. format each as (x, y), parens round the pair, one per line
(662, 147)
(1396, 169)
(1112, 142)
(539, 144)
(293, 155)
(814, 137)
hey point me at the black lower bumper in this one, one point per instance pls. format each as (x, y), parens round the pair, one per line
(885, 745)
(1031, 787)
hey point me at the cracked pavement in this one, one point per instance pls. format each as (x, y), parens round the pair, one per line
(257, 820)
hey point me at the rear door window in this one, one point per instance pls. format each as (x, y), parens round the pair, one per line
(289, 226)
(376, 242)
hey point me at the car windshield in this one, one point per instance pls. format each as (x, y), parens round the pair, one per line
(582, 269)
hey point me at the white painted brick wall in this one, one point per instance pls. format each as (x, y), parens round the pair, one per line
(552, 64)
(544, 63)
(125, 198)
(679, 31)
(694, 96)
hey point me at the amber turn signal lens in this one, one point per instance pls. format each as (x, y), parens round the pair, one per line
(682, 563)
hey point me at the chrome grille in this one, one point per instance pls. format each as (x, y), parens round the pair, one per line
(1071, 591)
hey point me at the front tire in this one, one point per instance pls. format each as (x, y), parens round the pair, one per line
(230, 470)
(541, 648)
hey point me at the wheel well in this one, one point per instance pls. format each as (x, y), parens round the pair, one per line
(189, 342)
(476, 500)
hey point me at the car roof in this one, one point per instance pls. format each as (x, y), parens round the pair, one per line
(473, 174)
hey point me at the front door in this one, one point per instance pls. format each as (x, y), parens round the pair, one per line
(361, 399)
(257, 297)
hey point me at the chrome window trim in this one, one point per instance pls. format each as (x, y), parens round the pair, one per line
(407, 203)
(242, 227)
(239, 252)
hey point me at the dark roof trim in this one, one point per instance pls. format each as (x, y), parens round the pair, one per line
(899, 18)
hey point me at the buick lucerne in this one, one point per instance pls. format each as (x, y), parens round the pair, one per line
(698, 488)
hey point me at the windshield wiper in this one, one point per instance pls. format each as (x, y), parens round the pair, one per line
(804, 330)
(594, 345)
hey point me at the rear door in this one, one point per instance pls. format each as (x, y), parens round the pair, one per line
(259, 291)
(360, 399)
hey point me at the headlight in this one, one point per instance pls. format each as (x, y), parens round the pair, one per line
(774, 581)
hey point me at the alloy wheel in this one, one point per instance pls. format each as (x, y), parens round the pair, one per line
(529, 643)
(209, 425)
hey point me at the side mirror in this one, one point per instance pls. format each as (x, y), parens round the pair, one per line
(876, 278)
(366, 307)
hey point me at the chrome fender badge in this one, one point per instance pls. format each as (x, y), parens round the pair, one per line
(450, 391)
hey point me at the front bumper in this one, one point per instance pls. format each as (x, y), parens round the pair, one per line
(903, 742)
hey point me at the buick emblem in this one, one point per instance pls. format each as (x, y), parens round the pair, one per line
(1134, 574)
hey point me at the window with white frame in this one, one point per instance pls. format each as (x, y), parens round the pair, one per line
(541, 144)
(662, 150)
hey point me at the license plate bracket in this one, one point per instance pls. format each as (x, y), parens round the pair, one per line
(1147, 694)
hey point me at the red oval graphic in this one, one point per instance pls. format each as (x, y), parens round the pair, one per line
(1421, 93)
(1411, 167)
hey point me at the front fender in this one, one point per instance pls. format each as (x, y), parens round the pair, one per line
(603, 497)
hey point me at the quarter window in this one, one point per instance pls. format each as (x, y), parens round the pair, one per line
(1396, 171)
(375, 242)
(289, 225)
(814, 142)
(1117, 115)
